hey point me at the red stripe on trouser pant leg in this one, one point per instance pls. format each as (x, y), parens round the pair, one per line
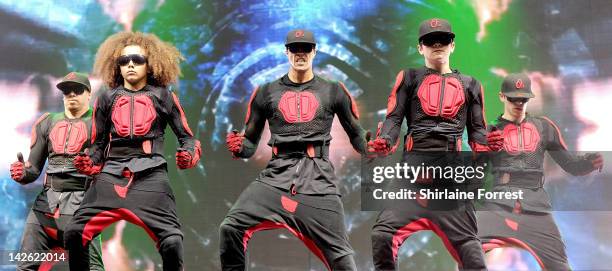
(269, 225)
(511, 242)
(419, 225)
(47, 266)
(104, 219)
(51, 232)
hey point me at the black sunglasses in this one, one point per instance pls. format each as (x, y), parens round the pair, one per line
(517, 100)
(431, 40)
(76, 91)
(136, 58)
(300, 48)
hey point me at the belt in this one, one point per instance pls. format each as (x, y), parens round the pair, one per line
(136, 148)
(61, 160)
(521, 179)
(432, 143)
(65, 182)
(301, 149)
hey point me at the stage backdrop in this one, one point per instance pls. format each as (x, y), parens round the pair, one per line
(232, 46)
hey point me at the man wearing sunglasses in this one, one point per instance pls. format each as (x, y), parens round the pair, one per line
(57, 138)
(439, 103)
(127, 153)
(527, 223)
(298, 190)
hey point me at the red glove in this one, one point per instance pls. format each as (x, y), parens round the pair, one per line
(84, 165)
(234, 141)
(495, 140)
(18, 168)
(596, 160)
(185, 160)
(379, 146)
(17, 171)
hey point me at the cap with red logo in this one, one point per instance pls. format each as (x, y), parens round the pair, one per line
(300, 36)
(435, 25)
(74, 80)
(517, 85)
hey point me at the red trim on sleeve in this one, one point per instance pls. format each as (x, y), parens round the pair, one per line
(558, 132)
(93, 122)
(33, 135)
(477, 147)
(392, 101)
(482, 98)
(248, 114)
(183, 118)
(409, 143)
(354, 108)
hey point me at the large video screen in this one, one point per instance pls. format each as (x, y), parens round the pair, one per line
(230, 47)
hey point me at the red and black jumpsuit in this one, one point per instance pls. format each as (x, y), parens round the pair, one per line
(56, 139)
(298, 189)
(128, 139)
(438, 107)
(527, 223)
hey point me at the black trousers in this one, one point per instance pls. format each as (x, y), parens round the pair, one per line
(45, 233)
(105, 204)
(456, 228)
(536, 232)
(317, 220)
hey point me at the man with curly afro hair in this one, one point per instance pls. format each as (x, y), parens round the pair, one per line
(127, 142)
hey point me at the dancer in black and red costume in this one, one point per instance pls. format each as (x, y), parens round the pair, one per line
(126, 157)
(527, 223)
(58, 138)
(298, 190)
(438, 104)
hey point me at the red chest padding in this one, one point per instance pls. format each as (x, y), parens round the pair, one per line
(67, 138)
(441, 96)
(527, 140)
(133, 115)
(298, 107)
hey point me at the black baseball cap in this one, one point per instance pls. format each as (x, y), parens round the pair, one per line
(300, 36)
(74, 80)
(435, 25)
(517, 85)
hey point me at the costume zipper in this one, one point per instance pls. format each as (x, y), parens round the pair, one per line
(292, 188)
(131, 117)
(441, 96)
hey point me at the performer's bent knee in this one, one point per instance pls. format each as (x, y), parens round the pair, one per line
(171, 242)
